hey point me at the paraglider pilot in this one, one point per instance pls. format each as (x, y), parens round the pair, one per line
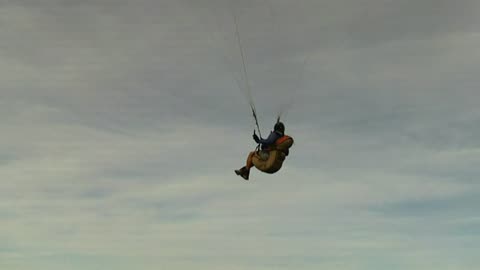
(266, 145)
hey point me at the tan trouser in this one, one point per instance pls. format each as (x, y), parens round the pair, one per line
(250, 160)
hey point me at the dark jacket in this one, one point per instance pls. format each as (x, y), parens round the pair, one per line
(272, 138)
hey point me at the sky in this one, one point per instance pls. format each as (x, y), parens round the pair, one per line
(121, 123)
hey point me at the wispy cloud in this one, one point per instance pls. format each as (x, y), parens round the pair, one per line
(122, 123)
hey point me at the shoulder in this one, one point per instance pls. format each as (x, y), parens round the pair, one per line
(273, 134)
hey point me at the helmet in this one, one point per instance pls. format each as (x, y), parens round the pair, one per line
(279, 127)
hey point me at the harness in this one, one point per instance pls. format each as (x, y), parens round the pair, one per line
(274, 146)
(270, 160)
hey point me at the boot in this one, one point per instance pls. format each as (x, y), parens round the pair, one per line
(243, 172)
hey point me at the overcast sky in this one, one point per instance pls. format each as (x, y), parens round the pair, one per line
(122, 122)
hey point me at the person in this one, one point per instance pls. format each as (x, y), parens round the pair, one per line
(265, 145)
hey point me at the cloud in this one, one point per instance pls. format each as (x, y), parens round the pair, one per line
(123, 124)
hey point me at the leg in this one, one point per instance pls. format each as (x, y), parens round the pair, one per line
(250, 160)
(245, 171)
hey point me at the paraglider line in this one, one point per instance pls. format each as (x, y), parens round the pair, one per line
(244, 68)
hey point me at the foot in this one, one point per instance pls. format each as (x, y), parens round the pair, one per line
(243, 172)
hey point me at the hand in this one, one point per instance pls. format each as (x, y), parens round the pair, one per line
(255, 138)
